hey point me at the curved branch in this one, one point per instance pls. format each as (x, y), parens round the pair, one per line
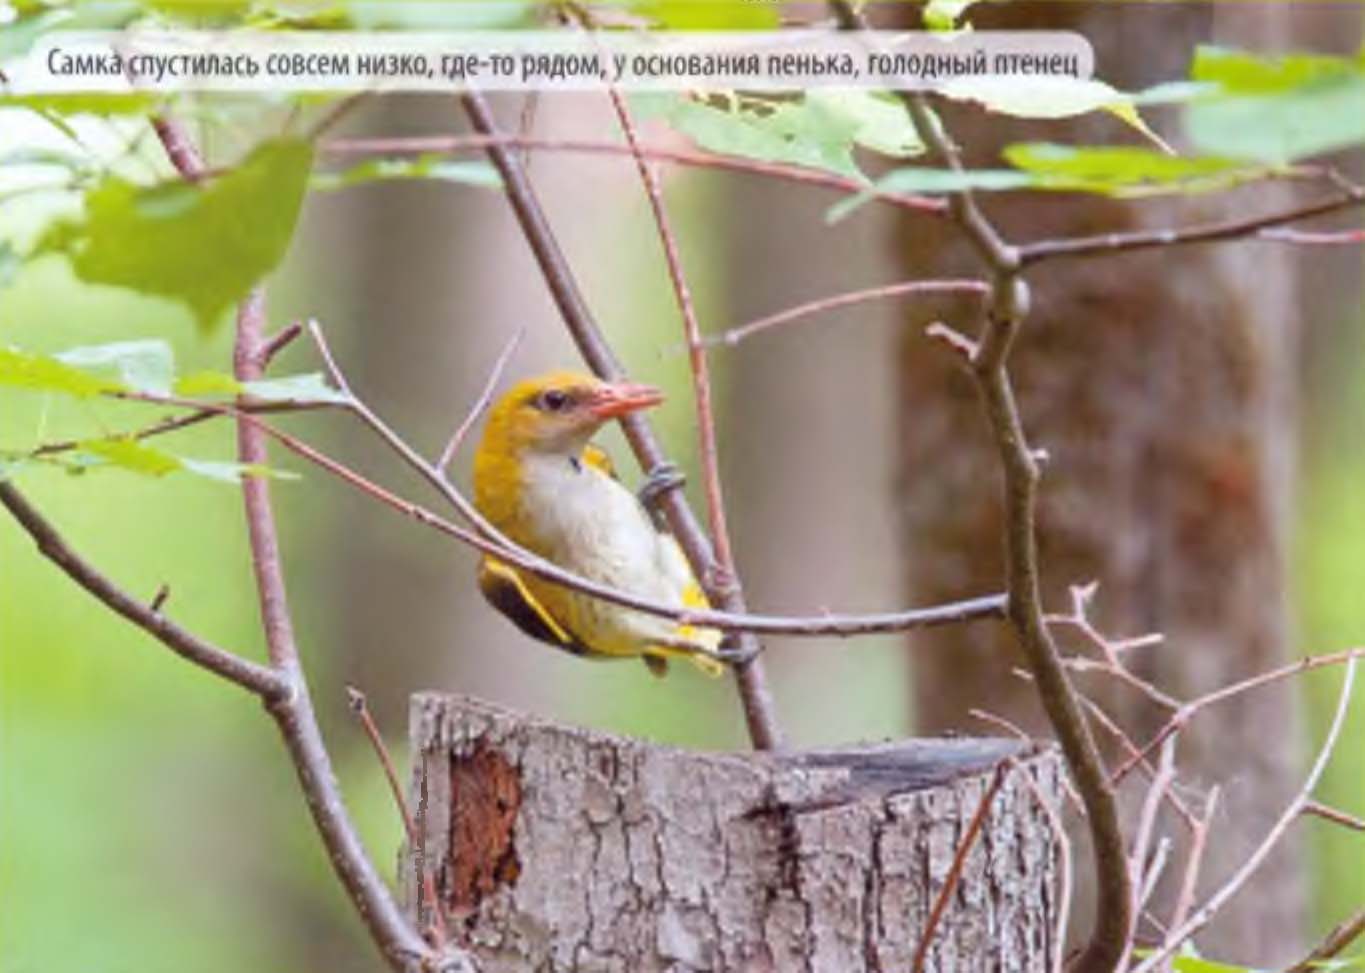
(251, 676)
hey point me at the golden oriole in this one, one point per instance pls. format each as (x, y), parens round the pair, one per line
(539, 480)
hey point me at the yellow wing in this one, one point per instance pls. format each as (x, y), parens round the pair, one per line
(505, 591)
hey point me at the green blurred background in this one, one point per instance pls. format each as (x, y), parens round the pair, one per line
(148, 818)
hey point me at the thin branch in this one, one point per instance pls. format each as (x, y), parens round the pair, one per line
(1341, 936)
(910, 288)
(708, 451)
(450, 144)
(360, 707)
(1187, 711)
(1007, 309)
(950, 881)
(1215, 902)
(1111, 243)
(481, 404)
(401, 946)
(249, 675)
(1337, 816)
(485, 538)
(174, 423)
(1328, 238)
(279, 341)
(760, 713)
(1194, 860)
(1161, 784)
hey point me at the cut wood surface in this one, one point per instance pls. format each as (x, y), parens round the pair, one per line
(559, 848)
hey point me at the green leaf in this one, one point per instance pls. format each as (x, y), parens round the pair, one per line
(708, 14)
(127, 453)
(1243, 73)
(10, 262)
(206, 246)
(1276, 109)
(931, 182)
(433, 166)
(24, 370)
(308, 387)
(145, 366)
(207, 383)
(84, 103)
(1124, 169)
(1034, 96)
(942, 15)
(1197, 964)
(818, 131)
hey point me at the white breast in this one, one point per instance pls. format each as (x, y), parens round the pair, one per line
(595, 526)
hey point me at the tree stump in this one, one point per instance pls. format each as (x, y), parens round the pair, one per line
(558, 848)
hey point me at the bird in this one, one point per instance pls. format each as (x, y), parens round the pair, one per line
(542, 483)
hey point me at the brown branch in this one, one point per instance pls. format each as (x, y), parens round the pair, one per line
(910, 288)
(1188, 710)
(1337, 816)
(480, 405)
(487, 539)
(360, 707)
(950, 881)
(1111, 243)
(1194, 860)
(293, 713)
(1341, 936)
(708, 451)
(249, 675)
(759, 710)
(1215, 902)
(1328, 238)
(1007, 308)
(451, 144)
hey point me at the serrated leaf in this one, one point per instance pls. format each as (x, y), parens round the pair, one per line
(146, 365)
(205, 246)
(41, 372)
(481, 174)
(308, 387)
(806, 133)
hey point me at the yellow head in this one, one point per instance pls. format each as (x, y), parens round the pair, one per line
(553, 415)
(560, 412)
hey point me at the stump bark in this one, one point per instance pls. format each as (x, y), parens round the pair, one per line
(558, 848)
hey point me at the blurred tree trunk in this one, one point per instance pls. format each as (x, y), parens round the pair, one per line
(1162, 386)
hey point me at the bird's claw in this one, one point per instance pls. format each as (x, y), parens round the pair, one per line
(738, 657)
(659, 480)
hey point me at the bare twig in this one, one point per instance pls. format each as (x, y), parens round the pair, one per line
(249, 675)
(1325, 238)
(401, 946)
(1341, 936)
(1337, 816)
(1008, 305)
(480, 405)
(423, 144)
(1111, 243)
(360, 707)
(950, 881)
(158, 602)
(1194, 860)
(760, 712)
(1161, 784)
(908, 288)
(1215, 902)
(279, 341)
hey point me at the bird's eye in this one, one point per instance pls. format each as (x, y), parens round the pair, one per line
(554, 400)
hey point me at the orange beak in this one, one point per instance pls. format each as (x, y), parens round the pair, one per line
(612, 399)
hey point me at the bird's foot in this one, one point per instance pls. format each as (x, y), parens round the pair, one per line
(659, 480)
(737, 657)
